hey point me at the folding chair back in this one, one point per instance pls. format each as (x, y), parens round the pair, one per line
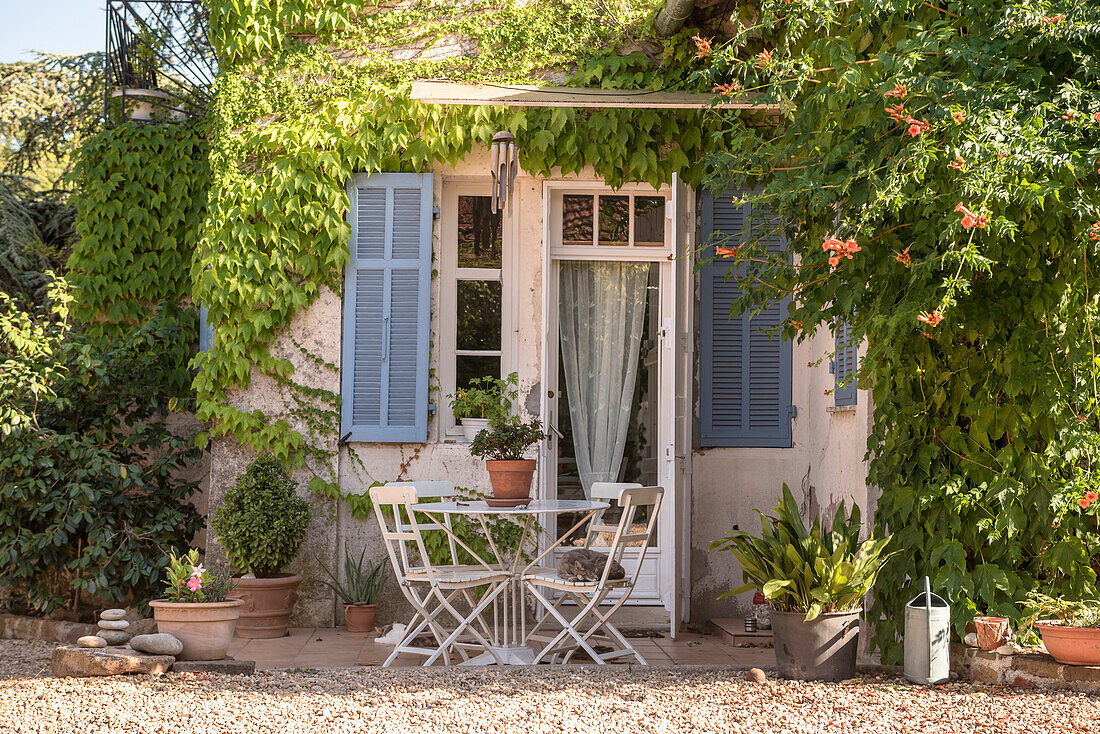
(632, 500)
(607, 492)
(400, 532)
(428, 490)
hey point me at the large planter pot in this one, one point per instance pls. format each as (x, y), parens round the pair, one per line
(1071, 645)
(473, 426)
(267, 605)
(511, 481)
(822, 649)
(205, 629)
(359, 617)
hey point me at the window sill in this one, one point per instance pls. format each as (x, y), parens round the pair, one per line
(841, 409)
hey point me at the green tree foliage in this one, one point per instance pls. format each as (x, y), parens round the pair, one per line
(36, 233)
(941, 163)
(48, 108)
(90, 503)
(262, 522)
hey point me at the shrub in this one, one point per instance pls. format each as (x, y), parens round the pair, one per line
(90, 501)
(506, 439)
(262, 521)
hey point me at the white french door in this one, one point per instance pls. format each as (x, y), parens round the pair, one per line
(588, 224)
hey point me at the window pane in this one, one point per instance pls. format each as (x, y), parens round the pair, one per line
(469, 368)
(614, 220)
(479, 309)
(649, 220)
(479, 238)
(576, 220)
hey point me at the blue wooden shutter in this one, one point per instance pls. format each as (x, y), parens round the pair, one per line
(384, 386)
(844, 366)
(745, 367)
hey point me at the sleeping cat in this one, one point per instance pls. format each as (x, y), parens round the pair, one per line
(584, 564)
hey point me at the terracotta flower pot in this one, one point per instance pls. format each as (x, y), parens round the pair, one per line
(359, 617)
(205, 629)
(1071, 645)
(992, 632)
(267, 605)
(511, 481)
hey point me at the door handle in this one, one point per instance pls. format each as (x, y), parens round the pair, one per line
(385, 338)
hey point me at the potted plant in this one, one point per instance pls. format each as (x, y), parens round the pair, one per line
(261, 525)
(502, 445)
(814, 581)
(485, 399)
(1070, 628)
(359, 590)
(195, 610)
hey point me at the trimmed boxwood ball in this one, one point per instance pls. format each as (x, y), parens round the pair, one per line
(262, 522)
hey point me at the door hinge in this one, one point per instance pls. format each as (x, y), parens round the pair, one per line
(792, 412)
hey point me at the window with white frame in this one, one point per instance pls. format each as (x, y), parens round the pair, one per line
(473, 319)
(627, 223)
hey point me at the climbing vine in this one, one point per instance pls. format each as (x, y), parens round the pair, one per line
(313, 92)
(942, 163)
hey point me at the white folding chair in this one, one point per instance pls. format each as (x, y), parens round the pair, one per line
(430, 588)
(591, 623)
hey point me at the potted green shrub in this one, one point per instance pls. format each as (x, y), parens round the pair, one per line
(485, 399)
(1070, 628)
(502, 445)
(261, 525)
(815, 582)
(195, 609)
(359, 591)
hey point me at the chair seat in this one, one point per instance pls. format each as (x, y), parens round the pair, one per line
(543, 576)
(462, 574)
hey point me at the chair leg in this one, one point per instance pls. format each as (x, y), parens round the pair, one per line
(464, 623)
(567, 630)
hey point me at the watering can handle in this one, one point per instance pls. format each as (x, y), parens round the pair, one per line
(928, 606)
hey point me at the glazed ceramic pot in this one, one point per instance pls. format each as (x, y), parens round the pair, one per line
(267, 604)
(511, 481)
(359, 617)
(1070, 645)
(473, 426)
(205, 629)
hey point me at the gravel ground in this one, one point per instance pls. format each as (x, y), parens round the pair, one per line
(512, 700)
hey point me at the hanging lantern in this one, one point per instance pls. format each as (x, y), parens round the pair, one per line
(504, 167)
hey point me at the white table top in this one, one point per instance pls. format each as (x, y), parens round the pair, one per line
(535, 506)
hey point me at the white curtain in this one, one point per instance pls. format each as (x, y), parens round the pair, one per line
(601, 316)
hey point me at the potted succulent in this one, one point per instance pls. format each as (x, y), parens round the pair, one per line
(485, 399)
(502, 445)
(814, 581)
(195, 610)
(261, 525)
(359, 590)
(1070, 628)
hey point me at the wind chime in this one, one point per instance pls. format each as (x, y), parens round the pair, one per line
(504, 167)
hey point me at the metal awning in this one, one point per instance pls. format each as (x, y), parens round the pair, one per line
(521, 95)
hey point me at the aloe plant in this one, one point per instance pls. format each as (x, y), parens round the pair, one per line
(804, 569)
(360, 586)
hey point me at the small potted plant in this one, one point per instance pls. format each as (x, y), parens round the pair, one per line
(1070, 628)
(261, 525)
(359, 591)
(486, 398)
(814, 581)
(195, 610)
(502, 445)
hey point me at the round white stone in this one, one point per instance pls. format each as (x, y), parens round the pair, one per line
(112, 614)
(114, 624)
(91, 641)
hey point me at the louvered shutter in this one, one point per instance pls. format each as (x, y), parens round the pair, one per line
(745, 367)
(384, 387)
(844, 366)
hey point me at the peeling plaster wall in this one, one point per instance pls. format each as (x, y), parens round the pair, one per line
(824, 466)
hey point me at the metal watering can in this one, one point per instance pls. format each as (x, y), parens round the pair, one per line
(927, 638)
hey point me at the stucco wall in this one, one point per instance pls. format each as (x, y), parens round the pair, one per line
(824, 465)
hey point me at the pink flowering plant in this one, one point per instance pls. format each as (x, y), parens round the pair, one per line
(188, 581)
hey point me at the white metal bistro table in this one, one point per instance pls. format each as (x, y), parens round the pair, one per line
(508, 643)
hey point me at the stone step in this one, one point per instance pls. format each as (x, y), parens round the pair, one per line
(732, 632)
